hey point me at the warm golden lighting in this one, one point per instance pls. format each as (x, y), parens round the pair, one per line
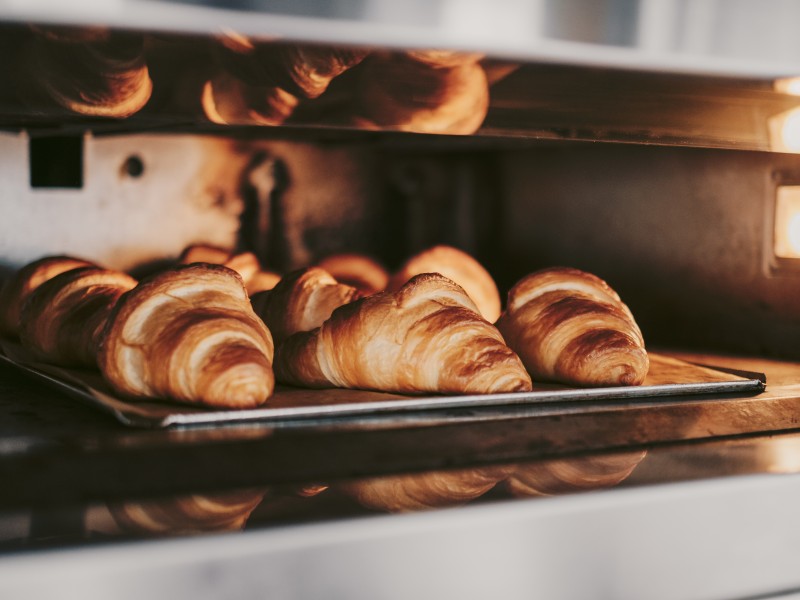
(787, 222)
(788, 85)
(784, 131)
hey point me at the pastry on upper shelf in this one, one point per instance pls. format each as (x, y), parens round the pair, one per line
(63, 319)
(569, 326)
(245, 263)
(226, 100)
(17, 289)
(88, 71)
(426, 337)
(189, 334)
(360, 271)
(461, 268)
(420, 93)
(301, 301)
(303, 70)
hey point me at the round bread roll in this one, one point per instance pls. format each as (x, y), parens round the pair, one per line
(459, 267)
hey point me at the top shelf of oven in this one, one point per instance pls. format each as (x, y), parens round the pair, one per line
(635, 71)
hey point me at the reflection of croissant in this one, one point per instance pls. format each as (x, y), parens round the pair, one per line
(90, 71)
(401, 493)
(565, 476)
(189, 334)
(63, 319)
(357, 270)
(25, 281)
(570, 326)
(461, 268)
(301, 301)
(246, 264)
(427, 337)
(187, 514)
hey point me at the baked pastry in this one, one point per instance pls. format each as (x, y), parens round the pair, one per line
(403, 493)
(569, 475)
(301, 301)
(187, 514)
(17, 289)
(303, 70)
(88, 71)
(227, 100)
(357, 270)
(570, 326)
(426, 337)
(245, 263)
(189, 334)
(402, 92)
(461, 268)
(63, 319)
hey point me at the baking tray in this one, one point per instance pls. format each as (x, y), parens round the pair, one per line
(667, 377)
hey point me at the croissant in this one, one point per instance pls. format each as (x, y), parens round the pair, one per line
(189, 334)
(405, 93)
(227, 100)
(25, 281)
(565, 476)
(461, 268)
(187, 514)
(570, 326)
(357, 270)
(426, 337)
(301, 301)
(245, 263)
(303, 70)
(63, 319)
(403, 493)
(90, 71)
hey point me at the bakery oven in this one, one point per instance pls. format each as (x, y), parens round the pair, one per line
(652, 145)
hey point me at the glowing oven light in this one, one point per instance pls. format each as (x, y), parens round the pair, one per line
(787, 222)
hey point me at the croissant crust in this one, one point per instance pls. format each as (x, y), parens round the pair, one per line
(189, 334)
(63, 319)
(570, 326)
(426, 337)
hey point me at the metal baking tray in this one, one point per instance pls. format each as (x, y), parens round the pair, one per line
(667, 377)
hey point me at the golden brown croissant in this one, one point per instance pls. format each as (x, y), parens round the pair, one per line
(63, 319)
(426, 337)
(461, 268)
(405, 93)
(357, 270)
(90, 71)
(187, 514)
(403, 493)
(25, 281)
(570, 326)
(189, 334)
(565, 476)
(245, 263)
(227, 100)
(301, 301)
(303, 70)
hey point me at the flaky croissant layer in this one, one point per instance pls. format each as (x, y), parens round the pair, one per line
(189, 334)
(570, 326)
(426, 337)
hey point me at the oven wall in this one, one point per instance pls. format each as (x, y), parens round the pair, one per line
(684, 235)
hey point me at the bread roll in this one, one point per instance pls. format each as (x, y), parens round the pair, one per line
(461, 268)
